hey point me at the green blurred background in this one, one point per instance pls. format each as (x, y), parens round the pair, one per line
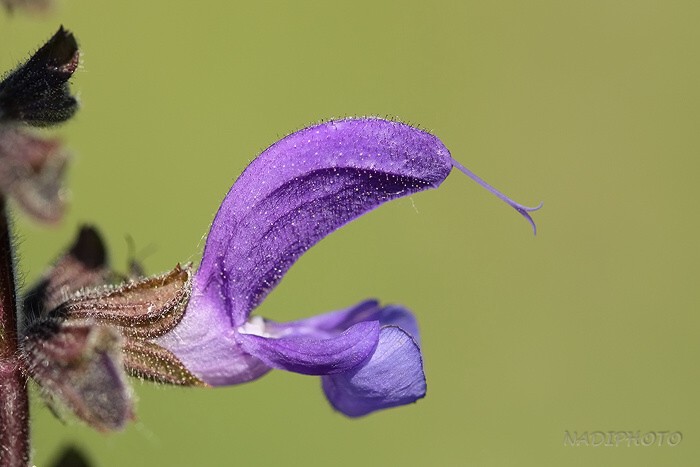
(592, 107)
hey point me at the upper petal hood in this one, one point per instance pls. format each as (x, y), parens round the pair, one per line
(301, 189)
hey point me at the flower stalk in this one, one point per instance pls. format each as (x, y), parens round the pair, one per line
(14, 403)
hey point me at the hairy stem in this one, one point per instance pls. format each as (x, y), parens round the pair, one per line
(14, 403)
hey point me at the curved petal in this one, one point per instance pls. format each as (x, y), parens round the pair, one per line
(331, 323)
(206, 344)
(392, 377)
(301, 189)
(395, 315)
(311, 355)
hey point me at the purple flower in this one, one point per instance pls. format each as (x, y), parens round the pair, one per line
(295, 193)
(82, 336)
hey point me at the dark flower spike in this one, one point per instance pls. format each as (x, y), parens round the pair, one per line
(31, 172)
(291, 196)
(79, 365)
(37, 92)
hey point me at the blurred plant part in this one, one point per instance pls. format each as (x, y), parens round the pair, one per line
(71, 456)
(33, 6)
(31, 172)
(37, 94)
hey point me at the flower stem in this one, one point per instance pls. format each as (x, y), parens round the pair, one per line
(14, 402)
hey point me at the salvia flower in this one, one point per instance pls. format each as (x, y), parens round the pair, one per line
(197, 329)
(294, 194)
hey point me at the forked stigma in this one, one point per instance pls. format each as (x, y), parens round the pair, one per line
(523, 210)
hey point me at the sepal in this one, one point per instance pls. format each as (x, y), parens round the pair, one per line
(146, 308)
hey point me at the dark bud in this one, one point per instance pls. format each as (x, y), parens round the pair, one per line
(83, 266)
(37, 92)
(71, 456)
